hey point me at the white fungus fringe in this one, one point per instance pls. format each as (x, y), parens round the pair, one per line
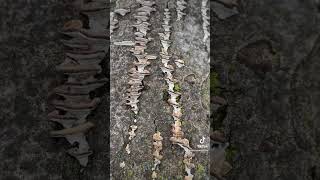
(174, 95)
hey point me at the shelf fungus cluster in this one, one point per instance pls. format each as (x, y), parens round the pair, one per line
(86, 46)
(174, 95)
(219, 165)
(157, 145)
(181, 6)
(205, 19)
(178, 138)
(138, 72)
(114, 21)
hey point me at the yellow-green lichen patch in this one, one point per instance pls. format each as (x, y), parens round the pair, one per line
(200, 171)
(177, 87)
(129, 174)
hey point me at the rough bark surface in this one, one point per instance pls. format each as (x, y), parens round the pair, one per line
(155, 112)
(266, 63)
(30, 50)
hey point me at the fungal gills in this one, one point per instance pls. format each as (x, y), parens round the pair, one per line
(157, 145)
(85, 49)
(181, 5)
(174, 95)
(205, 19)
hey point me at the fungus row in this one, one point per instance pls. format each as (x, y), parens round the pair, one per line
(219, 166)
(85, 49)
(205, 19)
(138, 72)
(181, 5)
(157, 145)
(174, 95)
(113, 21)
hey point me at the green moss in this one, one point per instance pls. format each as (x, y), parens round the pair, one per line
(200, 171)
(177, 87)
(231, 152)
(214, 83)
(130, 174)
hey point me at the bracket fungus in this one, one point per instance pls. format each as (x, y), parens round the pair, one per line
(181, 5)
(157, 144)
(85, 49)
(113, 22)
(121, 12)
(174, 95)
(138, 72)
(124, 43)
(219, 165)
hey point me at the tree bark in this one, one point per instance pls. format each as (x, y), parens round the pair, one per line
(155, 112)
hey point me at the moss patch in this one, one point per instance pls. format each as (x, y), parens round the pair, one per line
(129, 174)
(177, 87)
(200, 171)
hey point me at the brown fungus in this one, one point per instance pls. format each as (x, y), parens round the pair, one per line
(138, 72)
(85, 49)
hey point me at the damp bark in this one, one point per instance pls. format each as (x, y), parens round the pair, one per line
(30, 52)
(154, 110)
(266, 67)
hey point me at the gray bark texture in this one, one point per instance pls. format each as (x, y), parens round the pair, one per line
(30, 51)
(155, 112)
(265, 63)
